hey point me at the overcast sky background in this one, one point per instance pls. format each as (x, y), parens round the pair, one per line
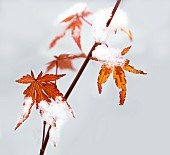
(140, 127)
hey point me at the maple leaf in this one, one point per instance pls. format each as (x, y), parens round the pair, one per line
(64, 61)
(114, 62)
(40, 89)
(75, 25)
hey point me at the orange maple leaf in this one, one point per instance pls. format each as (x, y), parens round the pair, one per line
(40, 89)
(64, 61)
(75, 26)
(120, 81)
(103, 76)
(118, 73)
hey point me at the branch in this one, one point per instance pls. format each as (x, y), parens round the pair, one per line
(81, 70)
(113, 12)
(45, 141)
(44, 125)
(80, 73)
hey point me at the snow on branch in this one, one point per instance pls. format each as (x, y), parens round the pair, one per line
(55, 114)
(100, 18)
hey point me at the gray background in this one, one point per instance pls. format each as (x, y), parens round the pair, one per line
(140, 127)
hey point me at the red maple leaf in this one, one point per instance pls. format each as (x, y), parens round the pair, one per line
(40, 89)
(75, 26)
(64, 61)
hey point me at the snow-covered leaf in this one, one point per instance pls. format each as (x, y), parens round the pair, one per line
(40, 89)
(113, 62)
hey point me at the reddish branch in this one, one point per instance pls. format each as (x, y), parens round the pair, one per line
(44, 125)
(80, 73)
(113, 13)
(45, 142)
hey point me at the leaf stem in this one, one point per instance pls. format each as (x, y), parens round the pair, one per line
(80, 73)
(86, 20)
(56, 72)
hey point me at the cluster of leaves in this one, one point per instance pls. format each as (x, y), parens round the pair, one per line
(43, 89)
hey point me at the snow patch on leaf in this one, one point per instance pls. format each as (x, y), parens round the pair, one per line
(27, 105)
(100, 18)
(76, 32)
(110, 56)
(76, 9)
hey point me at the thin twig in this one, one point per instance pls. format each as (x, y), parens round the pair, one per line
(113, 12)
(81, 70)
(80, 73)
(45, 141)
(44, 125)
(56, 72)
(86, 21)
